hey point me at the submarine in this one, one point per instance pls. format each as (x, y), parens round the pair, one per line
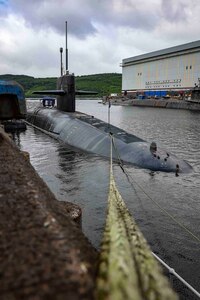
(90, 134)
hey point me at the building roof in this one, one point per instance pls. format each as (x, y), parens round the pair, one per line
(167, 51)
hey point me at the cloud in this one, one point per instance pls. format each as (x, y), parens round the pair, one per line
(100, 33)
(81, 15)
(3, 3)
(3, 7)
(175, 11)
(179, 22)
(42, 14)
(26, 52)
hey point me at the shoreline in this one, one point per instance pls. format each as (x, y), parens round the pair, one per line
(44, 253)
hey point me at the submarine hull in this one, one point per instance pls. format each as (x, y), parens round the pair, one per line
(93, 135)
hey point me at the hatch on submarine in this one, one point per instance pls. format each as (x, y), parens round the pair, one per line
(90, 134)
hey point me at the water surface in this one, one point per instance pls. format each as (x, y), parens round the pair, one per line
(83, 179)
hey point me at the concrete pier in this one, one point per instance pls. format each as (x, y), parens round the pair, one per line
(158, 103)
(43, 252)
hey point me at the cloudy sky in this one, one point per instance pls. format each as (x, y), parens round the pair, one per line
(100, 32)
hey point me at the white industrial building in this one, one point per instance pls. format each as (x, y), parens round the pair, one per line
(159, 72)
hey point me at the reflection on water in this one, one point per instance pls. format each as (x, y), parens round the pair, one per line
(16, 137)
(83, 179)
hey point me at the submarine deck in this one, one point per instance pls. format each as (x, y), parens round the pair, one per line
(107, 128)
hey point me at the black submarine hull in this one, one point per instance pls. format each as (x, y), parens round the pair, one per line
(93, 135)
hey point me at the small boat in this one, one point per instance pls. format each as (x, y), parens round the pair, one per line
(12, 101)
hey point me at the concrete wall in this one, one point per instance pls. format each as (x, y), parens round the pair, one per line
(43, 252)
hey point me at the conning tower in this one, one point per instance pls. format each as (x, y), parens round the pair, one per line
(66, 82)
(66, 91)
(66, 101)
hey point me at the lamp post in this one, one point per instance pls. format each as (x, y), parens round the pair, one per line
(61, 63)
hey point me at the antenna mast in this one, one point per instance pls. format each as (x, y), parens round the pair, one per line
(61, 63)
(66, 50)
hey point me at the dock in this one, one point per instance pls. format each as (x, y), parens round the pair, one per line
(43, 252)
(158, 103)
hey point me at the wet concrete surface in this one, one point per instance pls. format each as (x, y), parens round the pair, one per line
(43, 252)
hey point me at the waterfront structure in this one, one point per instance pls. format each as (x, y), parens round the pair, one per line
(12, 100)
(174, 69)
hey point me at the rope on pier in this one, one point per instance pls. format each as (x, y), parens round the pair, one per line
(127, 268)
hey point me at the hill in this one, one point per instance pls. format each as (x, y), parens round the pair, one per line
(104, 84)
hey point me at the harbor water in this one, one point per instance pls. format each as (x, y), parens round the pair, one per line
(83, 178)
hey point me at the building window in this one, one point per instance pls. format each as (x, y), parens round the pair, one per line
(186, 67)
(190, 67)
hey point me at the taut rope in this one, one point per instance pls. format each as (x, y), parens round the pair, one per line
(127, 268)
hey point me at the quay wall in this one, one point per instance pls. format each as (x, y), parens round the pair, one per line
(173, 104)
(43, 252)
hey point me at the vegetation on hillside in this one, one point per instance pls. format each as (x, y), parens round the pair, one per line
(104, 84)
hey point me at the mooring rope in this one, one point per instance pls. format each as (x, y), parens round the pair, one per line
(127, 268)
(171, 270)
(150, 198)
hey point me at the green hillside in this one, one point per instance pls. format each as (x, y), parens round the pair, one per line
(104, 84)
